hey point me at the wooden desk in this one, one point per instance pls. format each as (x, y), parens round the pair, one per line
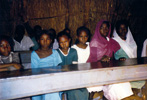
(25, 83)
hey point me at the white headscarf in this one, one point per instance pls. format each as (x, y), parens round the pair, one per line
(144, 49)
(129, 46)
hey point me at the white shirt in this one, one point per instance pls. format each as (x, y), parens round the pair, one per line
(55, 44)
(25, 44)
(83, 54)
(144, 49)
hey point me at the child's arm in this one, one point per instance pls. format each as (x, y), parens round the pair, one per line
(5, 67)
(105, 58)
(17, 66)
(15, 58)
(120, 55)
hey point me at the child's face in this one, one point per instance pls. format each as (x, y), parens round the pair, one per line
(122, 31)
(104, 30)
(45, 41)
(5, 48)
(83, 37)
(64, 42)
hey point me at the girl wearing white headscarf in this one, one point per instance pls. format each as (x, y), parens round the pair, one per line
(123, 36)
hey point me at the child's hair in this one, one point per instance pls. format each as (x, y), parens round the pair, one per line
(20, 29)
(67, 29)
(107, 23)
(120, 22)
(9, 39)
(63, 33)
(47, 33)
(37, 30)
(85, 29)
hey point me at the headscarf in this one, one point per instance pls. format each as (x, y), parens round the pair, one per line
(129, 46)
(99, 46)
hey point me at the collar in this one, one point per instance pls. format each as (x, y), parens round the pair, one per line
(63, 53)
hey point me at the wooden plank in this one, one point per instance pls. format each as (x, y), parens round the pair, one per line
(25, 83)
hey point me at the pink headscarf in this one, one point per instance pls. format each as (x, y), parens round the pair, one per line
(99, 46)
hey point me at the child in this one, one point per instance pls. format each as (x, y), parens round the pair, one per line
(82, 46)
(83, 49)
(69, 56)
(123, 36)
(8, 59)
(36, 31)
(22, 42)
(45, 56)
(32, 33)
(55, 43)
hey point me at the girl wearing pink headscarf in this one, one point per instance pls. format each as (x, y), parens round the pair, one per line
(102, 47)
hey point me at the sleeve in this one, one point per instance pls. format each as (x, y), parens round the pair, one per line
(15, 58)
(34, 60)
(58, 59)
(120, 53)
(29, 42)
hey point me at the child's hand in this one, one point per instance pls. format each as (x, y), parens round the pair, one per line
(17, 66)
(122, 59)
(105, 58)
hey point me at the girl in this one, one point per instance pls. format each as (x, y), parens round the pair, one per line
(82, 46)
(22, 42)
(45, 56)
(55, 43)
(83, 49)
(102, 47)
(8, 59)
(123, 36)
(69, 56)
